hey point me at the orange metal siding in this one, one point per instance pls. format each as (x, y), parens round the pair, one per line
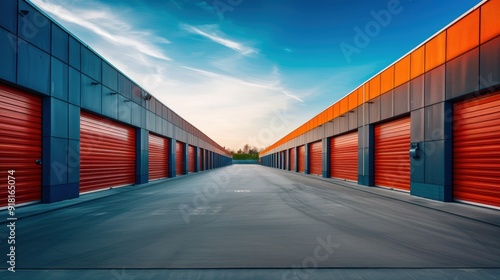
(302, 158)
(292, 159)
(20, 144)
(191, 158)
(392, 162)
(344, 157)
(179, 158)
(478, 26)
(476, 150)
(158, 157)
(107, 153)
(315, 158)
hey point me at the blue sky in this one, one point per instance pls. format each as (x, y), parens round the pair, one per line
(251, 71)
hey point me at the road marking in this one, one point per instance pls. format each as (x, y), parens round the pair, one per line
(242, 191)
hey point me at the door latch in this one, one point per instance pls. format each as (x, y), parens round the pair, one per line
(38, 162)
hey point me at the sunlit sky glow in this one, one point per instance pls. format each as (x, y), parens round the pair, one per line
(251, 71)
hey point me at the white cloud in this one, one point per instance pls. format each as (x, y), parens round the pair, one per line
(234, 107)
(109, 27)
(239, 47)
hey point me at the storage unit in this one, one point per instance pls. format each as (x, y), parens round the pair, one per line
(291, 156)
(344, 156)
(301, 150)
(191, 159)
(315, 158)
(179, 158)
(157, 157)
(107, 153)
(476, 150)
(20, 144)
(392, 161)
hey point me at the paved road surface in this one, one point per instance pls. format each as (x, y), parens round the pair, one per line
(248, 216)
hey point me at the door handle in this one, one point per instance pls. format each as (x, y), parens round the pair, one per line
(38, 162)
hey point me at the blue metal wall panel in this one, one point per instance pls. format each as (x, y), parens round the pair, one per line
(59, 77)
(74, 53)
(90, 94)
(58, 118)
(109, 103)
(109, 76)
(8, 47)
(60, 47)
(91, 64)
(34, 27)
(33, 69)
(73, 122)
(74, 86)
(8, 15)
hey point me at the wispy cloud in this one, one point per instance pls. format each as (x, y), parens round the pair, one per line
(219, 94)
(110, 28)
(239, 47)
(273, 85)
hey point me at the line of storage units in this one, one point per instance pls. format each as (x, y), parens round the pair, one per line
(71, 123)
(427, 124)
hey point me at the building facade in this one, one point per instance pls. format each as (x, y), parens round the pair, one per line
(427, 124)
(71, 123)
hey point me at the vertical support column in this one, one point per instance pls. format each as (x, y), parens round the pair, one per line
(431, 172)
(307, 161)
(366, 153)
(186, 158)
(196, 159)
(326, 157)
(283, 160)
(171, 157)
(60, 150)
(141, 166)
(296, 159)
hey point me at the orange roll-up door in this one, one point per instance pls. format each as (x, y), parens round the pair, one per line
(179, 158)
(292, 159)
(158, 157)
(191, 158)
(315, 158)
(392, 161)
(344, 156)
(476, 150)
(107, 153)
(20, 145)
(301, 150)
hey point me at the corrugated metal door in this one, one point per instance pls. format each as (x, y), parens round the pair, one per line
(158, 157)
(301, 150)
(179, 158)
(292, 159)
(107, 153)
(392, 162)
(344, 156)
(476, 150)
(20, 145)
(191, 158)
(315, 158)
